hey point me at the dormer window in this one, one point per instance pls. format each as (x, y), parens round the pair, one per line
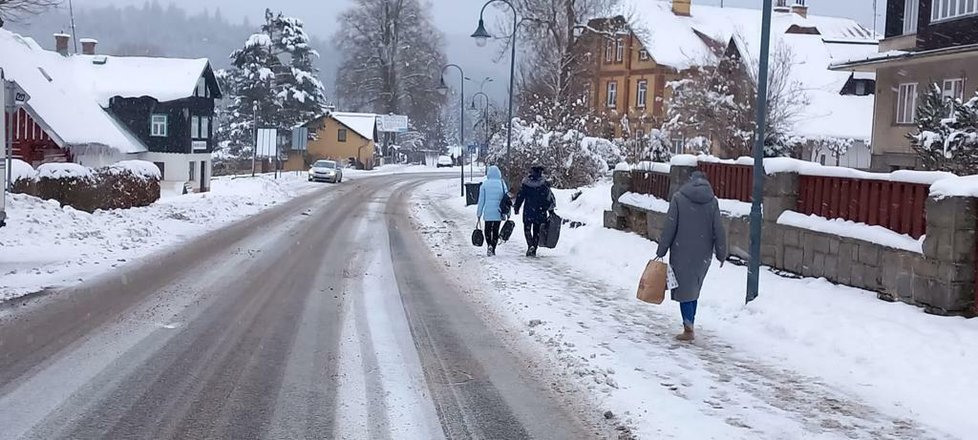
(202, 90)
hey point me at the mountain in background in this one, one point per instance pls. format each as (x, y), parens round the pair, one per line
(154, 30)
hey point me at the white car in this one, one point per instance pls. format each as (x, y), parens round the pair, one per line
(326, 171)
(445, 162)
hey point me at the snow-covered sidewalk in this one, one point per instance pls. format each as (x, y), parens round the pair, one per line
(808, 359)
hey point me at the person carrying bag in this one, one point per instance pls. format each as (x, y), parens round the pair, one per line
(492, 197)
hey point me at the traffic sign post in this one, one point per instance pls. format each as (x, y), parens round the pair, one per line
(12, 98)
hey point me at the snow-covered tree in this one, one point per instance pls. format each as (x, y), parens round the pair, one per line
(392, 57)
(718, 100)
(946, 138)
(652, 146)
(834, 147)
(274, 69)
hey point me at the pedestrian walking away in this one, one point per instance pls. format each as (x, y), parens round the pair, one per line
(535, 193)
(693, 234)
(491, 195)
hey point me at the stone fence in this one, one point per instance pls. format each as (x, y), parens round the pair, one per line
(939, 276)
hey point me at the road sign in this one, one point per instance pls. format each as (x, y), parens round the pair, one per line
(392, 123)
(300, 138)
(266, 142)
(14, 97)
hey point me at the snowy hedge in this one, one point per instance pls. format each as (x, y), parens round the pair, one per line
(23, 177)
(125, 184)
(946, 138)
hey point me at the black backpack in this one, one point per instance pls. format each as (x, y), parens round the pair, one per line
(505, 205)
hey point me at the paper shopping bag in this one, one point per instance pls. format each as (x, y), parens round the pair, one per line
(652, 285)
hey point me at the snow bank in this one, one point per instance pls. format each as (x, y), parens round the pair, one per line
(21, 170)
(860, 231)
(655, 167)
(623, 166)
(63, 170)
(644, 201)
(140, 168)
(955, 187)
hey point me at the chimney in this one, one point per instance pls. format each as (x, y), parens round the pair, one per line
(800, 8)
(88, 45)
(61, 43)
(681, 7)
(781, 6)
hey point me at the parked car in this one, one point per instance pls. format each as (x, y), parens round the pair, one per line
(326, 171)
(445, 162)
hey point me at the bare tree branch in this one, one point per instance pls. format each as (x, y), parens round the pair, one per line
(16, 10)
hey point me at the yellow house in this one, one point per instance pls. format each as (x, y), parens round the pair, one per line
(348, 138)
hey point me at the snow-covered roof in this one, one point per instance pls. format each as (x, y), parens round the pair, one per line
(70, 113)
(361, 123)
(69, 93)
(816, 42)
(677, 41)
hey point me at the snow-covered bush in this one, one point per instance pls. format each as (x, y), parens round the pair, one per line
(571, 159)
(946, 138)
(124, 184)
(23, 177)
(653, 146)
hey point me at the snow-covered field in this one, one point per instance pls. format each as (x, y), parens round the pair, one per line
(807, 359)
(47, 246)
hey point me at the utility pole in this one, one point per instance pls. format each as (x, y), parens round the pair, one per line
(74, 38)
(254, 150)
(754, 266)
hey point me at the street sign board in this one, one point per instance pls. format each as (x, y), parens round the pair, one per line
(392, 123)
(266, 142)
(15, 96)
(300, 138)
(473, 148)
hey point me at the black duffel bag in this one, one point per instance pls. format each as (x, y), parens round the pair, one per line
(550, 232)
(506, 230)
(478, 238)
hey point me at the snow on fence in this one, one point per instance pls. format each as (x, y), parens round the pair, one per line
(897, 206)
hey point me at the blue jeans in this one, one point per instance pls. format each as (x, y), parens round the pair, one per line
(688, 309)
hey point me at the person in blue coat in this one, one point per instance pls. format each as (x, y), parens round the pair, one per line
(535, 193)
(491, 195)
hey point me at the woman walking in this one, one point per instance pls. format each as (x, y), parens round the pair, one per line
(491, 195)
(693, 234)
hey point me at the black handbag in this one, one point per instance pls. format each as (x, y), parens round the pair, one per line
(550, 232)
(507, 230)
(505, 205)
(478, 238)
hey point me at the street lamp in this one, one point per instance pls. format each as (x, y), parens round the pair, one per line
(485, 117)
(481, 39)
(443, 89)
(754, 266)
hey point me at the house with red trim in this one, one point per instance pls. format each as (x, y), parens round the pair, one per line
(96, 110)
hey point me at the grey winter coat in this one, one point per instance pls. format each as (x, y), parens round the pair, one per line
(692, 235)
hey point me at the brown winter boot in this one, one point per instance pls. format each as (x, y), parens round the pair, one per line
(687, 334)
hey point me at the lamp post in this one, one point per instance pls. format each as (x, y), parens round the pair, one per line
(754, 266)
(485, 116)
(254, 151)
(482, 37)
(443, 89)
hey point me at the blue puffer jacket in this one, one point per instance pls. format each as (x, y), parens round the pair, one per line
(491, 194)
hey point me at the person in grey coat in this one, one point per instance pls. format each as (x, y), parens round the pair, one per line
(693, 234)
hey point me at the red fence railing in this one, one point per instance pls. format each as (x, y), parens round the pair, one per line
(650, 182)
(730, 181)
(897, 206)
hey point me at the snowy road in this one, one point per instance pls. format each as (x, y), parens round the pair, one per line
(324, 317)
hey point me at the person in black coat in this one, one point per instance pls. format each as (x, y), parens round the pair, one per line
(535, 193)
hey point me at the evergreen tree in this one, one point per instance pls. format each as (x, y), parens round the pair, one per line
(275, 70)
(946, 138)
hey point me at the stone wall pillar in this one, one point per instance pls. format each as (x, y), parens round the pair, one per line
(780, 195)
(944, 280)
(621, 183)
(678, 176)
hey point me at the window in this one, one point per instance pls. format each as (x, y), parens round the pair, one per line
(612, 94)
(202, 90)
(642, 93)
(954, 89)
(192, 176)
(341, 135)
(619, 50)
(910, 13)
(677, 145)
(907, 104)
(948, 9)
(643, 54)
(608, 49)
(861, 88)
(200, 127)
(158, 125)
(195, 127)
